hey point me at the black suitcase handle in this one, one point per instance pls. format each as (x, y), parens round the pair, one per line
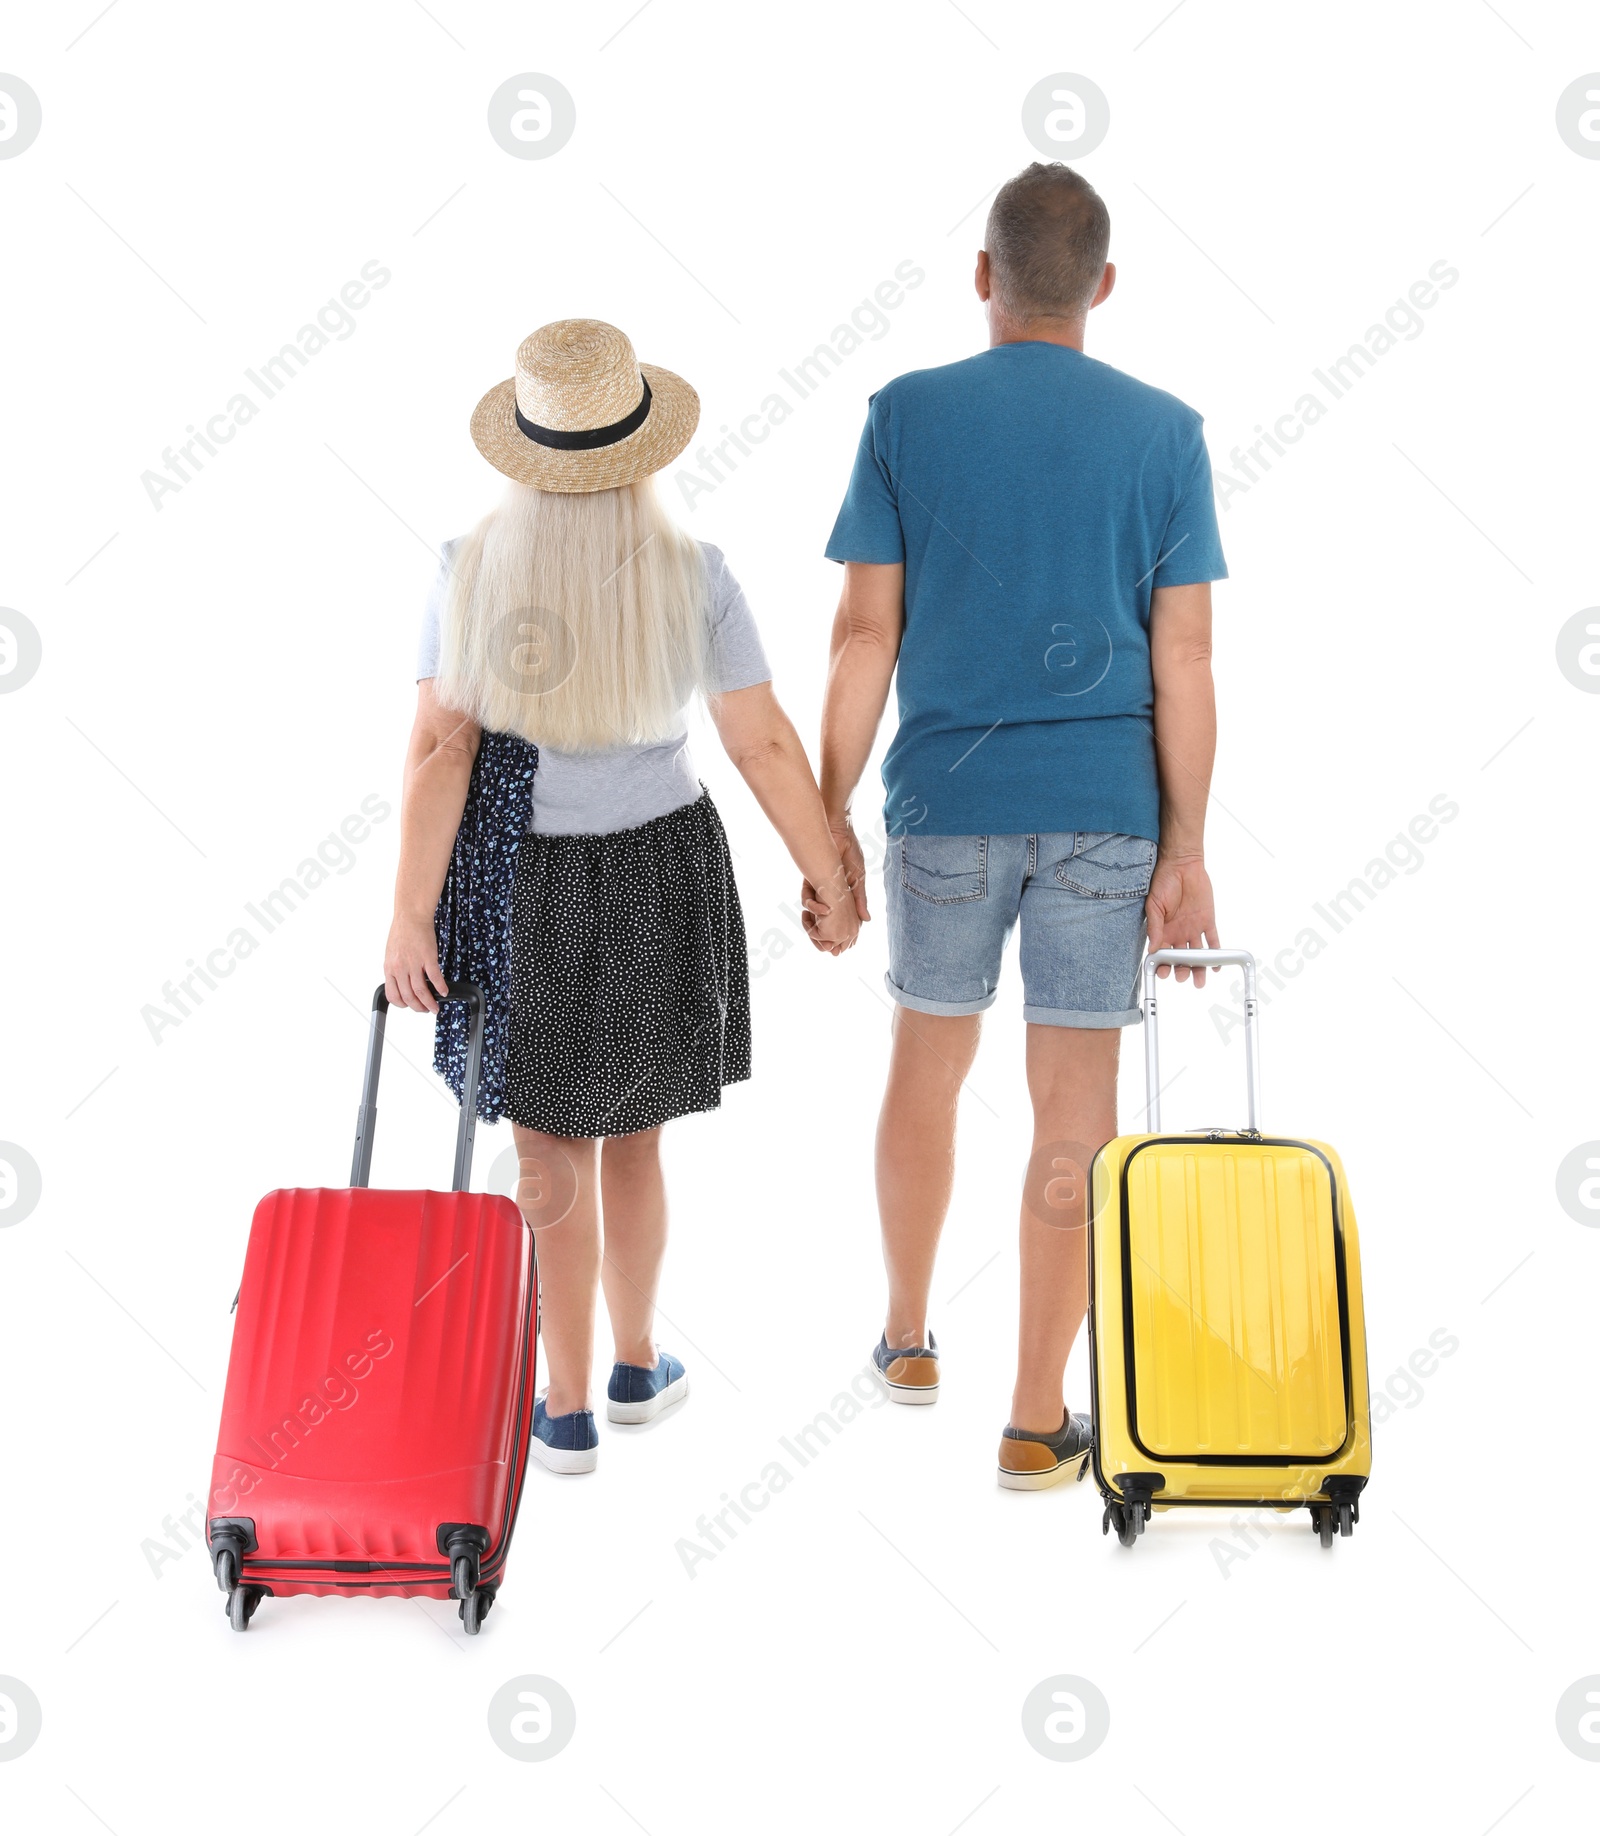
(367, 1115)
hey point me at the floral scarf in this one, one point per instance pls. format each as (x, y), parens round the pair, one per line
(472, 922)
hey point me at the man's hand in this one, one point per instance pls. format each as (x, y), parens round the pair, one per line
(855, 866)
(1180, 910)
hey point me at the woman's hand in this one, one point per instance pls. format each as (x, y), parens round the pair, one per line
(831, 916)
(411, 973)
(836, 929)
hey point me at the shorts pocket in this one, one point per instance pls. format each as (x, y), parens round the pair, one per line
(944, 869)
(1108, 866)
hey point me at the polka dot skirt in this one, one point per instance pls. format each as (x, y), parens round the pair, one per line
(630, 993)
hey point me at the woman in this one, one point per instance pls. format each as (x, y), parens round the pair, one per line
(578, 617)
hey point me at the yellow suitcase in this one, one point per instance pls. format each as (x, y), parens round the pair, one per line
(1226, 1341)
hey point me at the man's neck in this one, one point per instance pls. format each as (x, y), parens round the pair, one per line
(1035, 331)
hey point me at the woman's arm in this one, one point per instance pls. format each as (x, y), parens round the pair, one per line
(438, 769)
(761, 741)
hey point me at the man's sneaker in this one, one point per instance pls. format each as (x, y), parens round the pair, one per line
(636, 1394)
(1029, 1462)
(911, 1374)
(565, 1443)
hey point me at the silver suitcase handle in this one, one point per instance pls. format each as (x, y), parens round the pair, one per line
(1199, 959)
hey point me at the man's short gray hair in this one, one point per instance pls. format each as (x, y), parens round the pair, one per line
(1047, 237)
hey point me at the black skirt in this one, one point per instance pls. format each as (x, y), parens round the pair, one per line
(630, 990)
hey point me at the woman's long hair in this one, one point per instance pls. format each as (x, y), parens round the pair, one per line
(576, 619)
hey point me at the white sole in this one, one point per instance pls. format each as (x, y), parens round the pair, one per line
(1034, 1482)
(912, 1393)
(564, 1459)
(626, 1413)
(1039, 1482)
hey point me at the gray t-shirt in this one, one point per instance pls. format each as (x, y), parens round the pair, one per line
(598, 793)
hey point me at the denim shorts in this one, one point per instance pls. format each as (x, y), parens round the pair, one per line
(952, 900)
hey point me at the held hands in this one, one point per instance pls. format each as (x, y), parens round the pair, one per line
(834, 913)
(1180, 911)
(834, 926)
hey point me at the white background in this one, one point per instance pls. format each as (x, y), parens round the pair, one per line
(226, 680)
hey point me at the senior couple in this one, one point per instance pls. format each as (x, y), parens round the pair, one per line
(1028, 539)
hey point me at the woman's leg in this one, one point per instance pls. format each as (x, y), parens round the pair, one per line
(556, 1192)
(634, 1199)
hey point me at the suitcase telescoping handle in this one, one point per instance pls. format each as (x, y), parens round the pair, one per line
(1199, 959)
(367, 1115)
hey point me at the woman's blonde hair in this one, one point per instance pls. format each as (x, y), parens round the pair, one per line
(576, 619)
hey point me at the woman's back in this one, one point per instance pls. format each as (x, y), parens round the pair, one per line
(606, 936)
(599, 790)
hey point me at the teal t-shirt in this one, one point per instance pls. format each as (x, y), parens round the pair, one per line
(1037, 498)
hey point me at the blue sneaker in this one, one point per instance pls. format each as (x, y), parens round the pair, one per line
(635, 1394)
(565, 1443)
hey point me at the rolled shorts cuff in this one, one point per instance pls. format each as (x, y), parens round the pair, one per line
(920, 1004)
(1063, 1016)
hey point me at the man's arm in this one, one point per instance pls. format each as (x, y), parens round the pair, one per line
(1180, 908)
(866, 643)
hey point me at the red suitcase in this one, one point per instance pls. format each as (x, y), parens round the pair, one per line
(375, 1426)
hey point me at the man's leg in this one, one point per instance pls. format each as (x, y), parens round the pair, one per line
(1072, 1078)
(930, 1058)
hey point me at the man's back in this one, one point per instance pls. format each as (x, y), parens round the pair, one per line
(1029, 539)
(1036, 497)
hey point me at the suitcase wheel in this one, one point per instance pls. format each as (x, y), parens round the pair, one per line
(242, 1604)
(1334, 1519)
(475, 1605)
(225, 1566)
(1128, 1520)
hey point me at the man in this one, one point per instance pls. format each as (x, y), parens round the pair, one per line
(1029, 536)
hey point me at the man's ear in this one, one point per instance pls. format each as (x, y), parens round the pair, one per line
(980, 279)
(1107, 281)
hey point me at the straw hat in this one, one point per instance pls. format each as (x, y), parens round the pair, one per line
(582, 413)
